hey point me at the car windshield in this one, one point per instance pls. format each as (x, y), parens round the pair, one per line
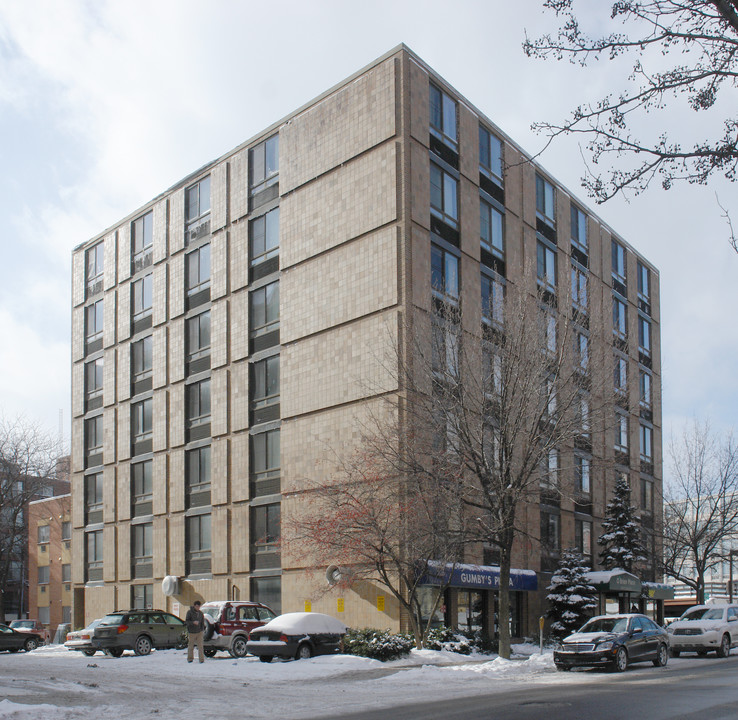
(610, 625)
(115, 619)
(714, 614)
(211, 611)
(19, 624)
(696, 614)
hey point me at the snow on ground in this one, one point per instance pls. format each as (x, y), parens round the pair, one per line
(54, 683)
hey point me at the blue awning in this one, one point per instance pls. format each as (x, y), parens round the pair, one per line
(476, 577)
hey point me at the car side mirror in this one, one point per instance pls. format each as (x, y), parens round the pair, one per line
(637, 630)
(732, 619)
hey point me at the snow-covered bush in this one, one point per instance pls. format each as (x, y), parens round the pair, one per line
(571, 598)
(377, 644)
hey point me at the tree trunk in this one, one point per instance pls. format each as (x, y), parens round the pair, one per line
(503, 609)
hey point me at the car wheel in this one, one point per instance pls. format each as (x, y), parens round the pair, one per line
(209, 629)
(238, 647)
(701, 653)
(265, 658)
(30, 644)
(724, 650)
(115, 652)
(142, 646)
(89, 653)
(182, 641)
(662, 657)
(304, 652)
(621, 660)
(675, 653)
(563, 668)
(210, 652)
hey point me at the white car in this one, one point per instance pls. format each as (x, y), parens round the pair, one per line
(705, 628)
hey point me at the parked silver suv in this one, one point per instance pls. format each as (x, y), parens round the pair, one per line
(705, 628)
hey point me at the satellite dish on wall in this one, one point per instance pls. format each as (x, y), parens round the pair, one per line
(335, 575)
(170, 585)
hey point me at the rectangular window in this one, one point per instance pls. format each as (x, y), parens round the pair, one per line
(444, 347)
(644, 335)
(141, 420)
(43, 533)
(142, 597)
(647, 494)
(265, 382)
(582, 469)
(142, 239)
(444, 273)
(66, 530)
(621, 432)
(264, 237)
(266, 454)
(93, 379)
(43, 574)
(548, 329)
(491, 229)
(442, 116)
(546, 265)
(579, 288)
(198, 336)
(619, 318)
(66, 573)
(197, 203)
(94, 268)
(197, 270)
(490, 155)
(583, 537)
(197, 469)
(94, 321)
(141, 297)
(141, 358)
(94, 435)
(582, 410)
(545, 201)
(267, 527)
(198, 403)
(581, 350)
(142, 543)
(264, 310)
(644, 282)
(646, 434)
(550, 532)
(645, 389)
(620, 374)
(493, 301)
(444, 195)
(142, 485)
(578, 228)
(94, 492)
(197, 529)
(492, 369)
(618, 262)
(94, 551)
(550, 470)
(264, 165)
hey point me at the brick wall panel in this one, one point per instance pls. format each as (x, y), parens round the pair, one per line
(124, 312)
(159, 299)
(219, 472)
(240, 543)
(219, 402)
(78, 333)
(109, 435)
(160, 420)
(109, 315)
(239, 470)
(160, 231)
(109, 554)
(176, 480)
(160, 483)
(79, 270)
(110, 264)
(219, 333)
(176, 415)
(124, 371)
(219, 268)
(124, 431)
(239, 180)
(109, 494)
(239, 256)
(159, 346)
(78, 444)
(176, 350)
(109, 376)
(239, 326)
(124, 552)
(78, 389)
(219, 196)
(176, 286)
(160, 543)
(239, 396)
(176, 221)
(124, 252)
(219, 540)
(177, 545)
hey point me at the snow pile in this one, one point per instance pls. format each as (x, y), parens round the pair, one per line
(17, 711)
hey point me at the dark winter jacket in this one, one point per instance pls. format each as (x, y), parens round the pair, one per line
(195, 620)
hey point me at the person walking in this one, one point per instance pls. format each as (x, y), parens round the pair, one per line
(195, 622)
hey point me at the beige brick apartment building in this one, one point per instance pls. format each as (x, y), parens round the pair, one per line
(225, 337)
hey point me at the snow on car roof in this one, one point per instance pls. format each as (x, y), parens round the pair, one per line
(304, 622)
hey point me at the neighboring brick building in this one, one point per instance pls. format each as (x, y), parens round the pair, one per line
(229, 331)
(50, 561)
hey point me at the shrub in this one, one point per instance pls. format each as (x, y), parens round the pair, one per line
(377, 644)
(459, 641)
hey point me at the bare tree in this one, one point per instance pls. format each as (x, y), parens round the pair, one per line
(384, 527)
(702, 36)
(28, 462)
(700, 504)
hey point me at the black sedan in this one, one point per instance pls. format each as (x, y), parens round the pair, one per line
(297, 635)
(614, 641)
(12, 640)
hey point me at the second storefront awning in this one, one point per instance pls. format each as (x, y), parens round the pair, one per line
(614, 581)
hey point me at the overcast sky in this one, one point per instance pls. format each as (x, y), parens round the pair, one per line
(103, 105)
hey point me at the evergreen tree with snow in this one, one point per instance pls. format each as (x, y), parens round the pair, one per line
(620, 541)
(571, 599)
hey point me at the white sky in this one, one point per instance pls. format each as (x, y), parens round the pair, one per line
(105, 104)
